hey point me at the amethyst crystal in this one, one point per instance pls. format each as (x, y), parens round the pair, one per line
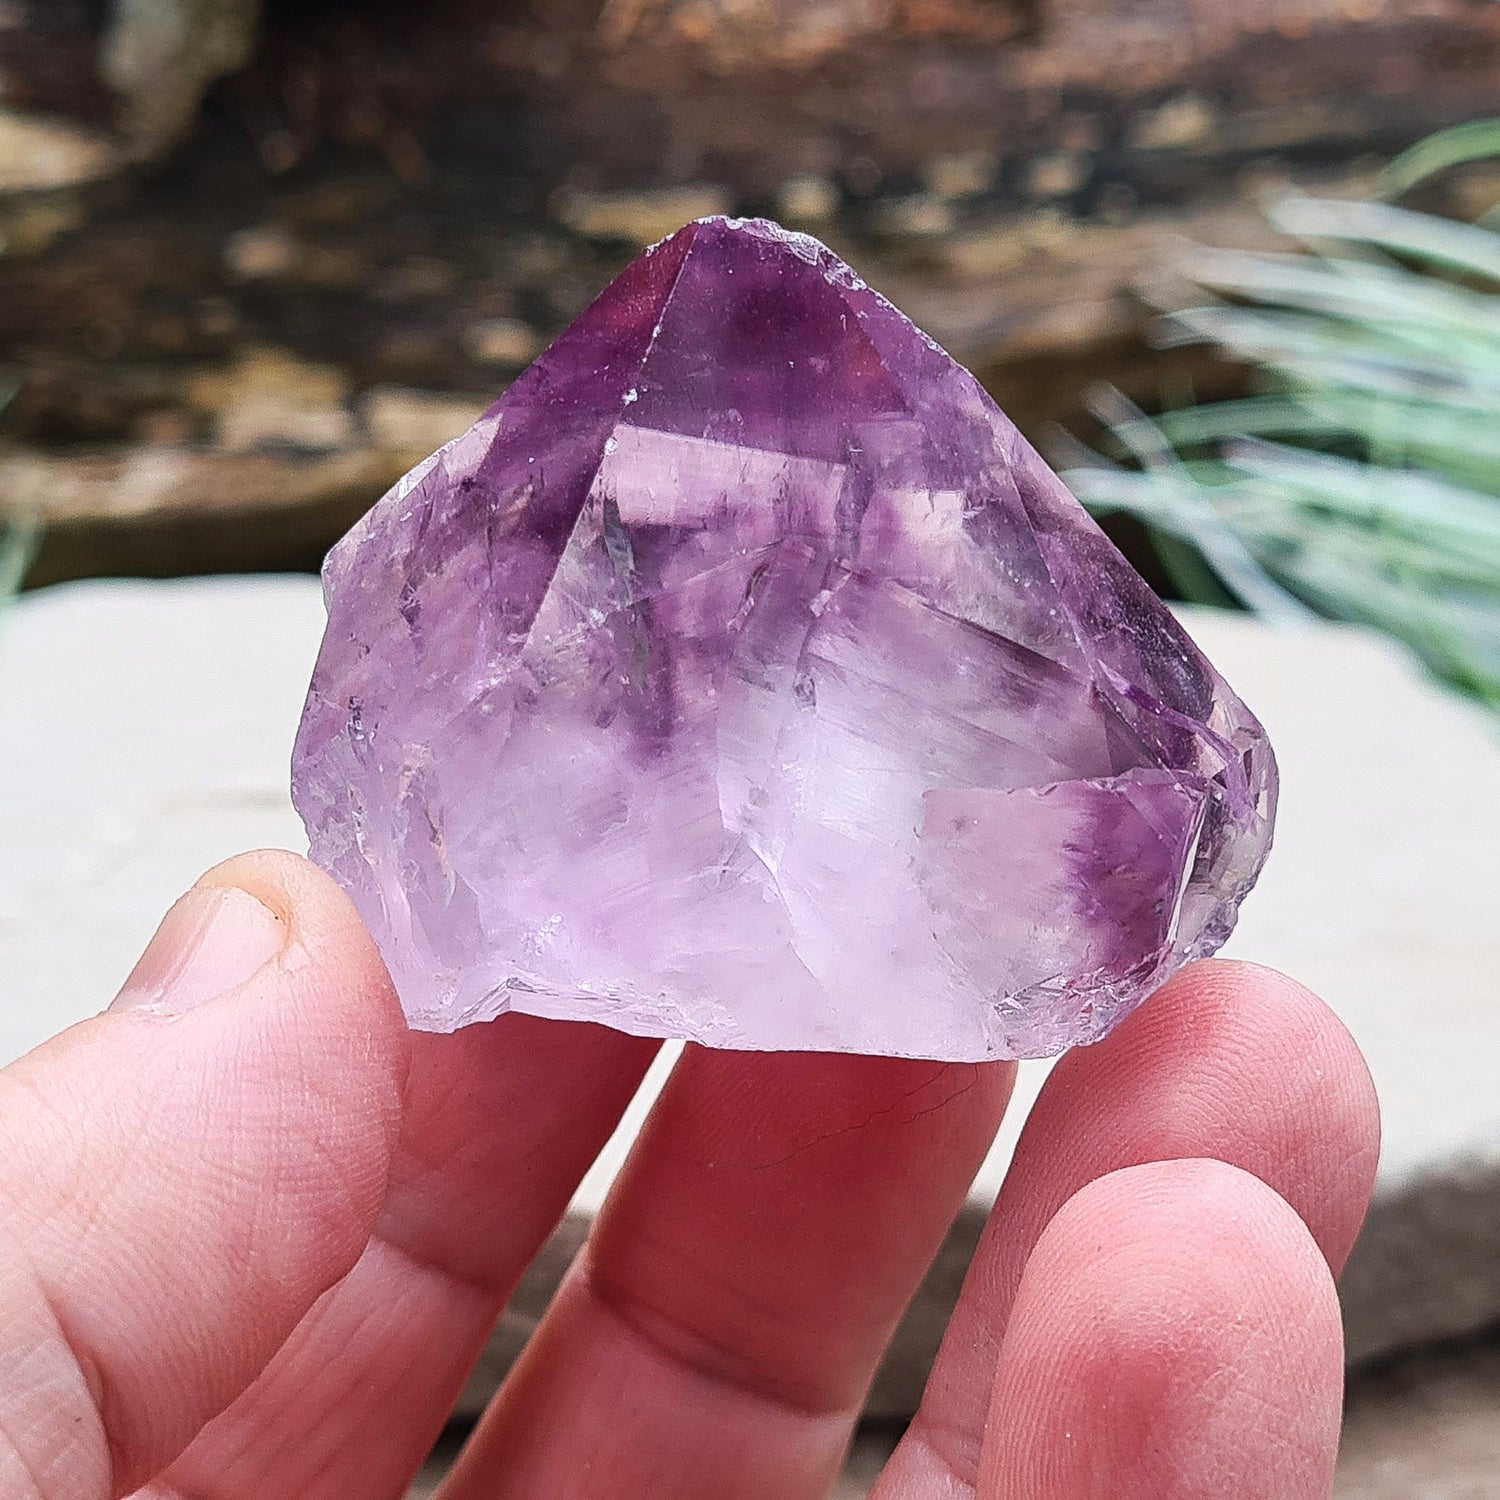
(742, 675)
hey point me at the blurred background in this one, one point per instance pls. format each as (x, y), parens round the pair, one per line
(1235, 268)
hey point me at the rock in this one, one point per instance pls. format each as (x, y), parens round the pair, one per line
(261, 252)
(1184, 120)
(293, 463)
(164, 507)
(502, 341)
(730, 35)
(807, 200)
(940, 844)
(160, 55)
(914, 218)
(271, 399)
(32, 223)
(1006, 297)
(973, 116)
(92, 88)
(405, 421)
(147, 729)
(641, 217)
(1424, 1427)
(144, 737)
(964, 174)
(1381, 896)
(42, 154)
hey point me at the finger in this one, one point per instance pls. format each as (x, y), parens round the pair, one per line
(184, 1176)
(1175, 1336)
(502, 1121)
(725, 1320)
(1229, 1061)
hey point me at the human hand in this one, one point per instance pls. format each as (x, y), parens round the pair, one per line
(255, 1233)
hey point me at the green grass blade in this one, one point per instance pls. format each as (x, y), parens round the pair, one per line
(1379, 295)
(1423, 237)
(1363, 478)
(18, 542)
(1474, 141)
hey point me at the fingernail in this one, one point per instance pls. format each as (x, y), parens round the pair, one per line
(211, 942)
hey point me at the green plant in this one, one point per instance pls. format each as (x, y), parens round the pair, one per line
(18, 539)
(1361, 478)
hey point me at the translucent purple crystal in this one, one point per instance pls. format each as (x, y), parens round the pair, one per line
(742, 675)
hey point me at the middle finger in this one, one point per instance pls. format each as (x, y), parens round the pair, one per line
(727, 1315)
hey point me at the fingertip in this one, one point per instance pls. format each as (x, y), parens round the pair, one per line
(277, 877)
(212, 940)
(319, 916)
(1229, 1061)
(326, 1013)
(1221, 1006)
(1325, 1158)
(328, 970)
(1176, 1333)
(1236, 1060)
(1197, 1212)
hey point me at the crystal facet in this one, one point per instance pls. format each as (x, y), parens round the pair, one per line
(744, 676)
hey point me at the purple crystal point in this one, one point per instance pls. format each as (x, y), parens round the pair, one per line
(743, 675)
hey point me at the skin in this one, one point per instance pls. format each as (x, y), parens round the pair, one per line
(254, 1233)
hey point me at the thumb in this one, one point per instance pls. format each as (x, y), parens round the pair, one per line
(183, 1176)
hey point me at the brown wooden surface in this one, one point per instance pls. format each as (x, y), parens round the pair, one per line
(418, 197)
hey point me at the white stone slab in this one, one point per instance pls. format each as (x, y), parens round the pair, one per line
(144, 735)
(1383, 895)
(145, 731)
